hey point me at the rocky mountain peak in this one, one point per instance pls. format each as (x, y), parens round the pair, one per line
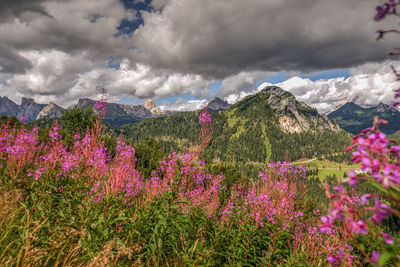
(382, 107)
(218, 104)
(83, 102)
(151, 106)
(50, 111)
(27, 102)
(294, 116)
(8, 107)
(276, 91)
(29, 109)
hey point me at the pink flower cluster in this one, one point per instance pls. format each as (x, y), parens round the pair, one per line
(205, 118)
(100, 108)
(379, 164)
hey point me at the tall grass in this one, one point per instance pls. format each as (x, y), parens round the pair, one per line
(78, 206)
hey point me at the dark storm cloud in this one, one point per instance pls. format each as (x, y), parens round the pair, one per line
(59, 50)
(11, 62)
(219, 38)
(14, 8)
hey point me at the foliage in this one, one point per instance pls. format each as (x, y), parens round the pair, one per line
(80, 205)
(247, 132)
(354, 118)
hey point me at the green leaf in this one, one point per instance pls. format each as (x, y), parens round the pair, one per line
(384, 258)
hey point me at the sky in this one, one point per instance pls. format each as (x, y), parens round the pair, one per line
(183, 53)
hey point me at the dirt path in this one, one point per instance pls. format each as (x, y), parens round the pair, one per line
(303, 162)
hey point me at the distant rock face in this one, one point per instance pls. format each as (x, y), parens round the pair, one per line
(151, 106)
(29, 109)
(218, 104)
(8, 107)
(354, 118)
(383, 107)
(116, 114)
(50, 111)
(294, 116)
(138, 111)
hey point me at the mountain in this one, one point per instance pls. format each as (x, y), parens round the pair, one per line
(8, 107)
(149, 105)
(353, 118)
(50, 111)
(117, 114)
(28, 109)
(269, 125)
(217, 105)
(295, 116)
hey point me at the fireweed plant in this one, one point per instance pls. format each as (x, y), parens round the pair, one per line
(380, 166)
(78, 205)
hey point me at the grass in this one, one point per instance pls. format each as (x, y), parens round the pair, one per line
(232, 120)
(266, 141)
(329, 168)
(240, 130)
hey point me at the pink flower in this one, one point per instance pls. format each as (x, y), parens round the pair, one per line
(375, 257)
(388, 239)
(205, 118)
(365, 198)
(359, 227)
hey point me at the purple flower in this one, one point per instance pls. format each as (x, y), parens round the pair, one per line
(328, 224)
(381, 211)
(383, 10)
(388, 239)
(365, 198)
(331, 259)
(359, 227)
(205, 118)
(374, 257)
(100, 108)
(53, 134)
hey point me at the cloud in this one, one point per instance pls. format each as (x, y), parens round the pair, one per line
(13, 8)
(58, 50)
(11, 62)
(63, 78)
(222, 38)
(241, 82)
(71, 26)
(184, 105)
(368, 85)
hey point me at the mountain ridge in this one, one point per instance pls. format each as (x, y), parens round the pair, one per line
(354, 118)
(117, 115)
(251, 130)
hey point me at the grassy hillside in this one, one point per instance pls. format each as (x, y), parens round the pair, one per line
(249, 131)
(354, 118)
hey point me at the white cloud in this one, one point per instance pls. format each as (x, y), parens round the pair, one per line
(367, 86)
(184, 105)
(62, 78)
(241, 82)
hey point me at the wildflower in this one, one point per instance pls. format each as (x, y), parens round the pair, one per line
(374, 257)
(100, 108)
(383, 10)
(365, 198)
(331, 259)
(359, 227)
(388, 239)
(328, 224)
(53, 134)
(205, 118)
